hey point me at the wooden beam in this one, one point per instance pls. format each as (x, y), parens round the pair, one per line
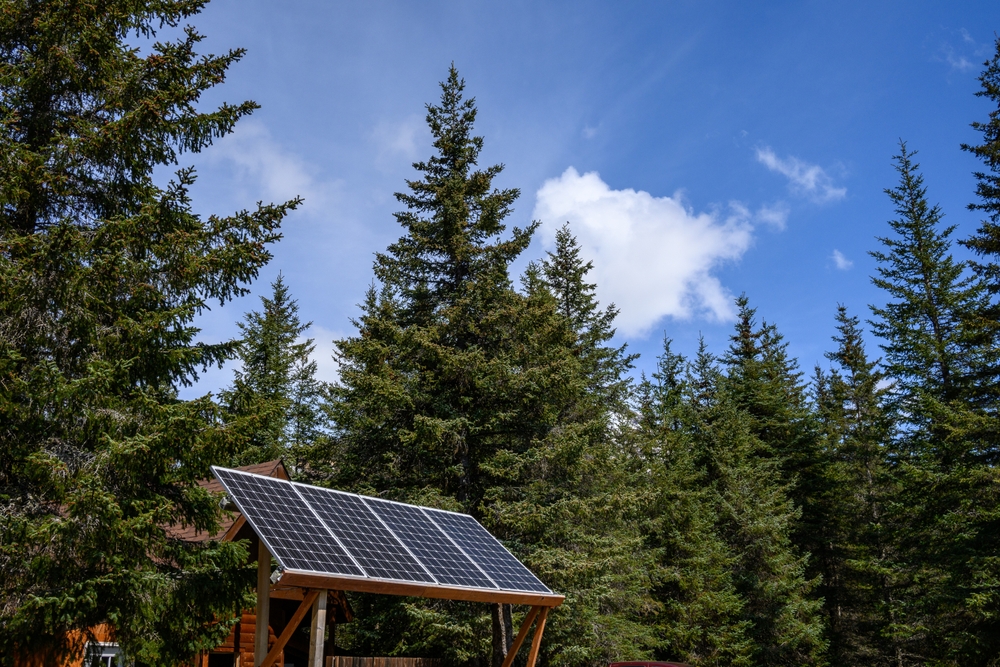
(521, 634)
(317, 631)
(293, 624)
(285, 593)
(335, 582)
(233, 529)
(263, 602)
(536, 639)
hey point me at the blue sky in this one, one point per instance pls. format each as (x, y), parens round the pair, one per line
(699, 149)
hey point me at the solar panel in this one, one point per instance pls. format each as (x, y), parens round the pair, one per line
(287, 525)
(487, 552)
(330, 532)
(434, 549)
(364, 535)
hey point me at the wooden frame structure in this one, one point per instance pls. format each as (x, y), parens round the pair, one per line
(315, 586)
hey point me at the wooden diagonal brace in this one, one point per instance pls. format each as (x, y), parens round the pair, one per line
(536, 639)
(289, 630)
(521, 634)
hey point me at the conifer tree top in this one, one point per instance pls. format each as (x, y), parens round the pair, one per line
(454, 216)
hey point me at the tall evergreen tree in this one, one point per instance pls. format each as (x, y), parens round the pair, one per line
(765, 384)
(101, 275)
(700, 617)
(275, 398)
(564, 272)
(462, 392)
(748, 437)
(986, 241)
(732, 585)
(858, 557)
(933, 350)
(935, 353)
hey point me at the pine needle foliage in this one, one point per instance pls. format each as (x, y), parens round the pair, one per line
(937, 353)
(101, 275)
(461, 391)
(859, 586)
(275, 398)
(986, 241)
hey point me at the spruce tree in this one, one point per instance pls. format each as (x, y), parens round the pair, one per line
(564, 272)
(731, 584)
(765, 384)
(932, 347)
(857, 565)
(462, 392)
(937, 354)
(986, 241)
(102, 272)
(275, 400)
(700, 611)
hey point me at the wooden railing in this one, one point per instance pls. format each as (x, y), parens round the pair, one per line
(351, 661)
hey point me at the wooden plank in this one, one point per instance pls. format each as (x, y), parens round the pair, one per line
(286, 593)
(536, 639)
(521, 634)
(312, 580)
(293, 624)
(317, 631)
(263, 602)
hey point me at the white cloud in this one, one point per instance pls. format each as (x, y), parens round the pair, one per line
(400, 139)
(957, 61)
(973, 55)
(652, 256)
(809, 180)
(327, 369)
(840, 261)
(270, 171)
(773, 215)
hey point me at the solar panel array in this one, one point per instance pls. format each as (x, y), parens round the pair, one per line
(331, 532)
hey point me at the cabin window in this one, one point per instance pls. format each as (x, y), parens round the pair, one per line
(105, 654)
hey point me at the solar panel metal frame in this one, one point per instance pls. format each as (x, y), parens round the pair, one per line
(367, 583)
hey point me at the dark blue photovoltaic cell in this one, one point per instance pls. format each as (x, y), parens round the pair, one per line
(363, 535)
(284, 521)
(438, 554)
(331, 532)
(487, 552)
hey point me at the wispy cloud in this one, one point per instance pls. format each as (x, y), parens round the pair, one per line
(400, 139)
(956, 60)
(263, 167)
(773, 215)
(964, 56)
(840, 261)
(653, 257)
(804, 179)
(327, 368)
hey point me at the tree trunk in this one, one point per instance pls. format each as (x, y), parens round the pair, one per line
(503, 632)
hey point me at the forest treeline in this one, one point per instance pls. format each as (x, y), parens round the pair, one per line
(730, 509)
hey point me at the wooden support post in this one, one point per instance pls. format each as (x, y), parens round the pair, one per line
(263, 603)
(293, 624)
(317, 631)
(521, 634)
(536, 639)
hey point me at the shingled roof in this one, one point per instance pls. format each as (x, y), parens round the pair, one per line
(231, 523)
